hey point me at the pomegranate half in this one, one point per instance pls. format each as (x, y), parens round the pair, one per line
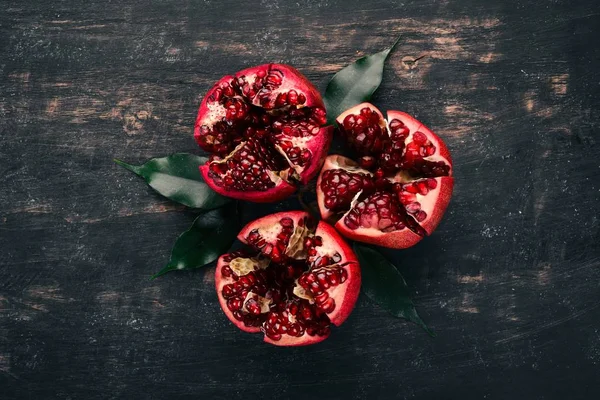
(294, 279)
(397, 189)
(264, 127)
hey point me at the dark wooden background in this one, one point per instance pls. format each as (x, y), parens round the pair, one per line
(510, 281)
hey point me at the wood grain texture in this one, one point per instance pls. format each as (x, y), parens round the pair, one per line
(510, 281)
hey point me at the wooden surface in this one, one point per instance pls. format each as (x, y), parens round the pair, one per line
(510, 281)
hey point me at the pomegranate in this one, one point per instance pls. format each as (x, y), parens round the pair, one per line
(294, 279)
(265, 129)
(397, 190)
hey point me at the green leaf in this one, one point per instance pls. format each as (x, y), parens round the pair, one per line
(384, 284)
(210, 235)
(355, 83)
(178, 178)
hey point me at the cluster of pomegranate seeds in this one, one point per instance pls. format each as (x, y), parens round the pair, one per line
(407, 195)
(316, 282)
(427, 169)
(219, 139)
(273, 104)
(391, 159)
(274, 285)
(297, 318)
(314, 259)
(298, 123)
(364, 133)
(291, 98)
(341, 186)
(419, 147)
(264, 83)
(383, 212)
(295, 154)
(275, 252)
(247, 167)
(286, 313)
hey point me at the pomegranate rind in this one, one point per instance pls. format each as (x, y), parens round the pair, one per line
(345, 295)
(280, 191)
(219, 283)
(396, 240)
(287, 340)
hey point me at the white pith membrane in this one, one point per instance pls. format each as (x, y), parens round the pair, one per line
(285, 310)
(415, 194)
(284, 146)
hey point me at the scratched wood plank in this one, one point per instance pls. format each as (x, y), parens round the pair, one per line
(510, 281)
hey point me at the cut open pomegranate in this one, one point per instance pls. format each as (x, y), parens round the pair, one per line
(265, 129)
(294, 280)
(397, 190)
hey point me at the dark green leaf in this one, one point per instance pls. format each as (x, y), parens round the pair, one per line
(210, 235)
(178, 178)
(384, 284)
(355, 83)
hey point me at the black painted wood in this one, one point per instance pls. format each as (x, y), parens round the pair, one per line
(509, 281)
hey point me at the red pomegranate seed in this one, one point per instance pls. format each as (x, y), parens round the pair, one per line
(238, 315)
(413, 207)
(340, 187)
(328, 306)
(364, 133)
(306, 313)
(367, 162)
(294, 330)
(419, 137)
(226, 271)
(228, 291)
(343, 276)
(252, 307)
(292, 97)
(234, 304)
(321, 298)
